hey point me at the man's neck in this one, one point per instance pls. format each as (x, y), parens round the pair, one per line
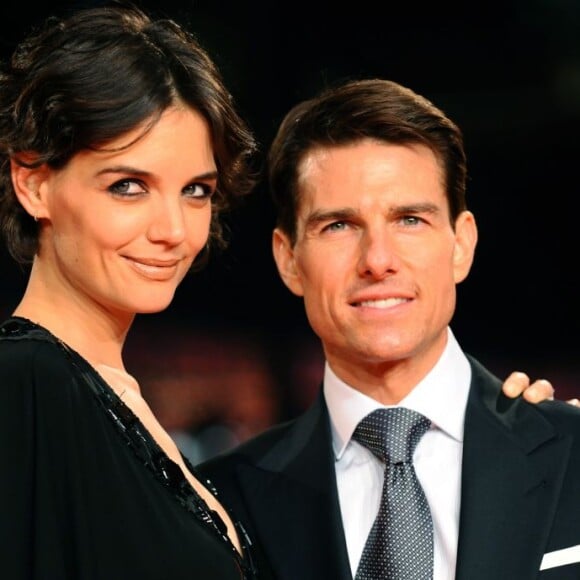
(388, 381)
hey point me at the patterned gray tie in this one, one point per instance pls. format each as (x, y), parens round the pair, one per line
(400, 543)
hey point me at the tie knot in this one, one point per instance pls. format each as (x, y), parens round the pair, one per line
(392, 434)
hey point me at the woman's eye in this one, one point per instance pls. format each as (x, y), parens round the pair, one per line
(199, 190)
(127, 188)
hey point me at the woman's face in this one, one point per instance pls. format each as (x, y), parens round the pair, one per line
(122, 228)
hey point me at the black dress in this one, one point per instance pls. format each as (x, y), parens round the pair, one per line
(86, 493)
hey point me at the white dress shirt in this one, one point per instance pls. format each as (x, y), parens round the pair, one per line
(441, 397)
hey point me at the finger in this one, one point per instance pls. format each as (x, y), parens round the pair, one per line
(515, 384)
(539, 390)
(575, 402)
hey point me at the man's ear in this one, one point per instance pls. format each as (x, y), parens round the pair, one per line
(30, 186)
(465, 242)
(285, 261)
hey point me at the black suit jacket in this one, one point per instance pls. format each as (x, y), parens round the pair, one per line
(520, 492)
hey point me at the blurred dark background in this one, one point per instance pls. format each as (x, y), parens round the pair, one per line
(234, 353)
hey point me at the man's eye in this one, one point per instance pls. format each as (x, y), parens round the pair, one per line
(335, 226)
(411, 220)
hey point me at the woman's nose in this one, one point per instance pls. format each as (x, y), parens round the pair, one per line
(167, 221)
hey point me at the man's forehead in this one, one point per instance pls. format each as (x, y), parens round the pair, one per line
(365, 164)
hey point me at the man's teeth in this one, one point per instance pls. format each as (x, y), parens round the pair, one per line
(384, 303)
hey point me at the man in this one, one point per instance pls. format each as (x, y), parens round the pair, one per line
(374, 233)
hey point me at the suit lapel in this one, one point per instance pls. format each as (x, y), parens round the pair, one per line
(291, 492)
(512, 471)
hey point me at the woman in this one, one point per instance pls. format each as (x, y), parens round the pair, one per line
(119, 145)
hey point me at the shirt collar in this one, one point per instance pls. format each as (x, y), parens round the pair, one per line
(441, 396)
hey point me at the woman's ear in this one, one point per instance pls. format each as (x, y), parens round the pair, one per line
(30, 186)
(285, 261)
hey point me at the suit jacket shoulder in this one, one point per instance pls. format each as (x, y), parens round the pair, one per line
(520, 482)
(282, 485)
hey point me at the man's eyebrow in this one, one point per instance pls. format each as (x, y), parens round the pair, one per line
(322, 215)
(343, 213)
(426, 207)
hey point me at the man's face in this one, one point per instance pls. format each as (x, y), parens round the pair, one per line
(376, 257)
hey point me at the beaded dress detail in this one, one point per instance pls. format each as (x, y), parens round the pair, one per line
(133, 433)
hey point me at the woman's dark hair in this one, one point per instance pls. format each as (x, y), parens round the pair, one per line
(80, 82)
